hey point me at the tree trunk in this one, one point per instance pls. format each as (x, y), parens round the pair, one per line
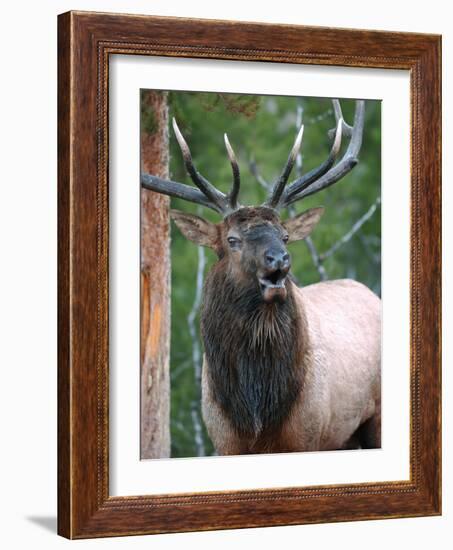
(155, 283)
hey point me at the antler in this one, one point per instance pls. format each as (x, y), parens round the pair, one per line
(206, 194)
(279, 185)
(328, 172)
(280, 196)
(233, 194)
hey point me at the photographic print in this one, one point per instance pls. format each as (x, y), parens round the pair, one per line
(260, 304)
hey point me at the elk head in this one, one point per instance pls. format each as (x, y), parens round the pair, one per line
(251, 242)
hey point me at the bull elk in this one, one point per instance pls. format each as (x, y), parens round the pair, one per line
(285, 368)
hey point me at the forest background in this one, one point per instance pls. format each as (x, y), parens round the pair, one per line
(261, 129)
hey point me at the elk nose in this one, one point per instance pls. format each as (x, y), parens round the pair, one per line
(277, 259)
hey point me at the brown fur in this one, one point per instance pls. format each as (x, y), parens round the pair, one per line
(255, 354)
(301, 373)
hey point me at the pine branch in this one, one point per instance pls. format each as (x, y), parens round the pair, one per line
(348, 236)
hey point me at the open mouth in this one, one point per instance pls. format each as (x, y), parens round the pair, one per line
(276, 279)
(273, 285)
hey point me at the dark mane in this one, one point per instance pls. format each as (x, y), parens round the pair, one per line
(253, 350)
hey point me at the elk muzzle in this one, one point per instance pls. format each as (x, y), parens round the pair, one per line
(272, 275)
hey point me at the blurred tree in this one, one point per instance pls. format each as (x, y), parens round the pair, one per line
(155, 283)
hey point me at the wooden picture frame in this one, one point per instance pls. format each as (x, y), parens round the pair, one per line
(85, 41)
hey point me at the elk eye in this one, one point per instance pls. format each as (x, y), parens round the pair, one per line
(285, 238)
(233, 242)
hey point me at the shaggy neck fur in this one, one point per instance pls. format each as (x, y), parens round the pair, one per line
(254, 352)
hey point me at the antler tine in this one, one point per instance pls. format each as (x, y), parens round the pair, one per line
(178, 190)
(213, 194)
(347, 130)
(277, 190)
(345, 165)
(304, 181)
(233, 194)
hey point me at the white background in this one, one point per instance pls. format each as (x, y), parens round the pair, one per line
(28, 273)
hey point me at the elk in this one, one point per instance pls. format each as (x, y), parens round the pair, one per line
(285, 368)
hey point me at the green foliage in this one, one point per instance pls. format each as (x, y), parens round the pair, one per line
(263, 128)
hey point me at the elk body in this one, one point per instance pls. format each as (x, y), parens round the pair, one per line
(285, 368)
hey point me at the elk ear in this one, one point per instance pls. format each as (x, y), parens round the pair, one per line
(195, 229)
(302, 225)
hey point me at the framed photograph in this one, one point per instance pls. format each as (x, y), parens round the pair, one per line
(249, 275)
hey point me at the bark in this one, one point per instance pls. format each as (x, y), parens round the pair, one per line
(155, 284)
